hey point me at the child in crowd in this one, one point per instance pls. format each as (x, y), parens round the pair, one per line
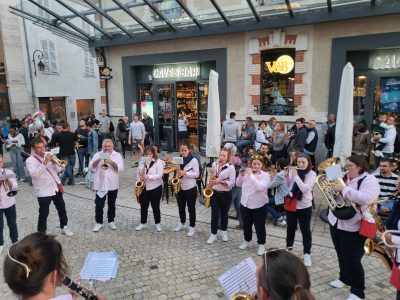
(378, 131)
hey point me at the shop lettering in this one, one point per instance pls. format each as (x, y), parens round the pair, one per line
(391, 61)
(283, 65)
(176, 72)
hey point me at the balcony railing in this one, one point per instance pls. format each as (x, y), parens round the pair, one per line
(277, 109)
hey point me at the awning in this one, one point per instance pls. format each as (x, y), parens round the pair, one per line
(117, 22)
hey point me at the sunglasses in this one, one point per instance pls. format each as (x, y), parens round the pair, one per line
(273, 251)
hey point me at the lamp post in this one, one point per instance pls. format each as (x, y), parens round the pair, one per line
(40, 64)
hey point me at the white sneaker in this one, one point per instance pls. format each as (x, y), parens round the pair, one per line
(261, 250)
(337, 283)
(244, 245)
(112, 225)
(179, 227)
(211, 239)
(281, 223)
(377, 153)
(307, 260)
(97, 227)
(1, 249)
(158, 227)
(140, 227)
(67, 232)
(224, 236)
(191, 231)
(353, 297)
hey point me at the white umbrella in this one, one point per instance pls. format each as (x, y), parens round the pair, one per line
(213, 140)
(344, 119)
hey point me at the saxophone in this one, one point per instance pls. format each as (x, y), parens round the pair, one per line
(208, 191)
(139, 186)
(176, 181)
(243, 296)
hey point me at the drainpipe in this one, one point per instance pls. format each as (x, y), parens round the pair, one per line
(102, 52)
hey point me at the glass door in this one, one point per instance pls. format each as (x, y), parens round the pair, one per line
(146, 99)
(166, 116)
(202, 88)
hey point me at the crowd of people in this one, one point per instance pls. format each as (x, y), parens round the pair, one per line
(259, 171)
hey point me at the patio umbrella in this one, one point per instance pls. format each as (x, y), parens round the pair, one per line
(213, 140)
(344, 119)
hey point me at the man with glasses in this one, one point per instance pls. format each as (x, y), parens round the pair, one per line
(47, 186)
(388, 182)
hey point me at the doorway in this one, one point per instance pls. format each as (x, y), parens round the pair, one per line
(53, 108)
(84, 108)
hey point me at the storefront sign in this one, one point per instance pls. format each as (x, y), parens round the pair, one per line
(390, 94)
(176, 71)
(283, 65)
(385, 59)
(105, 72)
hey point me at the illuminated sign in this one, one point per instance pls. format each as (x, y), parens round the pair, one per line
(283, 65)
(176, 71)
(385, 59)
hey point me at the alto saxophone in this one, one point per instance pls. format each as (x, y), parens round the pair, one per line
(208, 191)
(244, 296)
(176, 181)
(139, 185)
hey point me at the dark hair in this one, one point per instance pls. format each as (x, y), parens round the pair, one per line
(46, 124)
(150, 149)
(262, 122)
(35, 142)
(282, 163)
(89, 124)
(264, 144)
(360, 161)
(284, 277)
(301, 120)
(158, 147)
(387, 159)
(186, 144)
(232, 115)
(306, 156)
(42, 254)
(65, 125)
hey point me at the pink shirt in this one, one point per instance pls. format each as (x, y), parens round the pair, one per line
(189, 181)
(155, 174)
(107, 180)
(226, 173)
(5, 201)
(254, 189)
(396, 241)
(305, 187)
(368, 192)
(44, 177)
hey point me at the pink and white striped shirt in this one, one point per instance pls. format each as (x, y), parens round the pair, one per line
(254, 189)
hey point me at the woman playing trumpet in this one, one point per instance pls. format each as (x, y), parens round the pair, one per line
(254, 183)
(7, 206)
(222, 184)
(188, 173)
(151, 173)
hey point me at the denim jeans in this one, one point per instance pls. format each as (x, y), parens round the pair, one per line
(69, 169)
(83, 155)
(11, 216)
(272, 210)
(243, 143)
(236, 196)
(17, 162)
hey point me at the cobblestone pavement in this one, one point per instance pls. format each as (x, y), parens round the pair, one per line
(170, 265)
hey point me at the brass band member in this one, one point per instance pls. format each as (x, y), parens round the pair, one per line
(225, 177)
(301, 181)
(188, 173)
(151, 173)
(106, 182)
(361, 188)
(35, 267)
(7, 206)
(282, 275)
(47, 186)
(254, 183)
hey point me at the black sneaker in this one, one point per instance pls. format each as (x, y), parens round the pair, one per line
(77, 175)
(71, 183)
(63, 181)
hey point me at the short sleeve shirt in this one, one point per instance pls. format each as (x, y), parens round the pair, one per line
(104, 121)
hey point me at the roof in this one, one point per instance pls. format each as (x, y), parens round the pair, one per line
(118, 22)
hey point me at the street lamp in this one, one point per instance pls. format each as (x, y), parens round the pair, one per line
(40, 64)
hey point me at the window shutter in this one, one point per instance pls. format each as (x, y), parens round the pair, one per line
(45, 51)
(53, 57)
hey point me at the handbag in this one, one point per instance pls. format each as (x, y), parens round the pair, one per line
(367, 229)
(290, 204)
(395, 275)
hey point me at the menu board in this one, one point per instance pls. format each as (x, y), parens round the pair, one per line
(390, 94)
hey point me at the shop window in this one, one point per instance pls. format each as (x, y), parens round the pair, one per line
(387, 97)
(49, 56)
(53, 108)
(359, 94)
(277, 82)
(84, 108)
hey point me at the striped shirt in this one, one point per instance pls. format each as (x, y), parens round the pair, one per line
(388, 185)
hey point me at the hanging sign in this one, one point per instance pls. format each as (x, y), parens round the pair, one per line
(105, 72)
(176, 71)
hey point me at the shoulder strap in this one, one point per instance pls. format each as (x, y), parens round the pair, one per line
(46, 168)
(359, 182)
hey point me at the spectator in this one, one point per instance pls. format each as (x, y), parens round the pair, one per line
(25, 133)
(301, 135)
(122, 134)
(388, 182)
(41, 135)
(328, 130)
(148, 126)
(388, 139)
(269, 128)
(94, 121)
(15, 142)
(4, 129)
(15, 122)
(183, 123)
(104, 124)
(136, 136)
(93, 140)
(361, 140)
(48, 130)
(230, 132)
(311, 141)
(249, 136)
(82, 134)
(278, 142)
(264, 152)
(260, 135)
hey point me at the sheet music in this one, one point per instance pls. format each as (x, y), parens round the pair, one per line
(333, 172)
(100, 266)
(241, 277)
(6, 176)
(104, 155)
(55, 151)
(177, 160)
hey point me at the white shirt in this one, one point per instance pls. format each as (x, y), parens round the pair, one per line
(18, 139)
(44, 177)
(107, 180)
(155, 174)
(192, 172)
(260, 139)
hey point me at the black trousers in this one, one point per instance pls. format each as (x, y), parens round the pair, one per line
(349, 248)
(303, 216)
(220, 204)
(187, 197)
(257, 217)
(100, 202)
(11, 216)
(152, 197)
(44, 204)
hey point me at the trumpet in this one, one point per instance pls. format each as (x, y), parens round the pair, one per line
(104, 165)
(55, 160)
(8, 187)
